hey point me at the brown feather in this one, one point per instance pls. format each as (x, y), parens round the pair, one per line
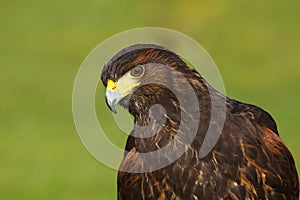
(249, 161)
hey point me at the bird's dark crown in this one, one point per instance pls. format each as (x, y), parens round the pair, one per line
(134, 55)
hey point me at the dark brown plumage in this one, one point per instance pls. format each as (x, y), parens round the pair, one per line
(249, 160)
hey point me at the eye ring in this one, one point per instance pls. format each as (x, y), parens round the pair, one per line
(137, 71)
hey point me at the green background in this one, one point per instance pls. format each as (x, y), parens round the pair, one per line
(255, 44)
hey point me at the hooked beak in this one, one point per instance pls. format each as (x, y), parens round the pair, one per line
(112, 96)
(112, 99)
(116, 91)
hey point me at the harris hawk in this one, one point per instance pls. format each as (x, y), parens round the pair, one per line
(247, 161)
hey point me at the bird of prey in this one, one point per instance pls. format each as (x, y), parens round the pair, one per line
(248, 160)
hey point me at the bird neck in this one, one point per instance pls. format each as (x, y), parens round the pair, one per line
(156, 125)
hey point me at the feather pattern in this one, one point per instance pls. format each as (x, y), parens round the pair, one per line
(249, 160)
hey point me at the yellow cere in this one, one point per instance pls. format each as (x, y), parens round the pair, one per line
(111, 85)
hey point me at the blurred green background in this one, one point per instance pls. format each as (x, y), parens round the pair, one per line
(255, 44)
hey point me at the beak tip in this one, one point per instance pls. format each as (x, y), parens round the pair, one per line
(113, 109)
(111, 104)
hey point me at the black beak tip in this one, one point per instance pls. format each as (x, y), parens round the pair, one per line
(111, 105)
(113, 109)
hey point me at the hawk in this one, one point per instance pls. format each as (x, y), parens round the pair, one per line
(248, 160)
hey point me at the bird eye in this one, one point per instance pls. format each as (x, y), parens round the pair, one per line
(138, 71)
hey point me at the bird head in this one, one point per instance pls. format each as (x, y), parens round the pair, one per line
(135, 77)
